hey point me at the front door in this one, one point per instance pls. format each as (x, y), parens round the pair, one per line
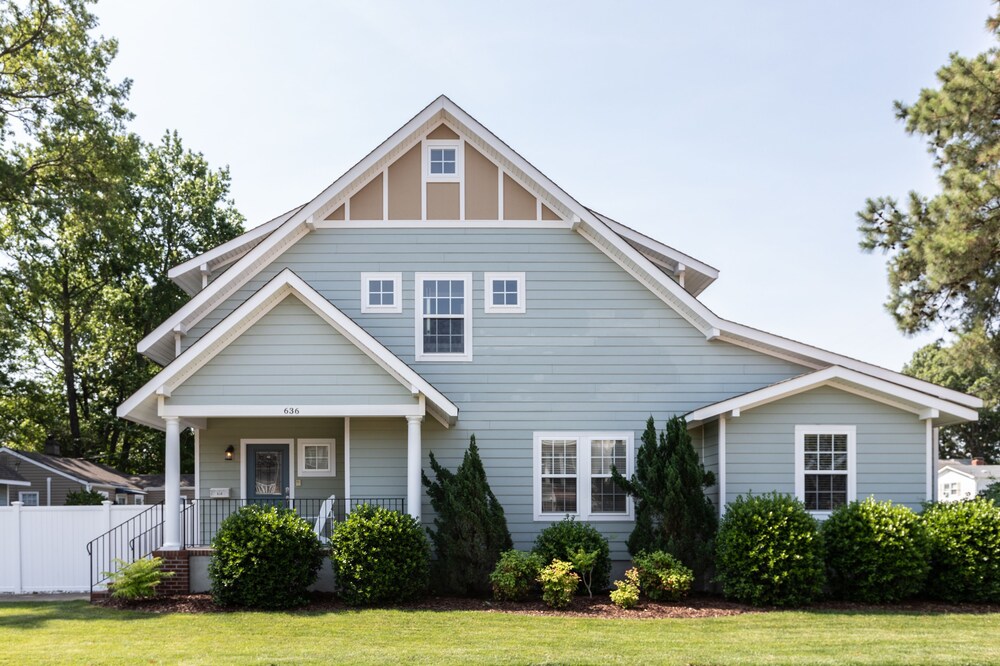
(267, 472)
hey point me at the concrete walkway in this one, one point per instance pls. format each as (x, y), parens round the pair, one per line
(61, 596)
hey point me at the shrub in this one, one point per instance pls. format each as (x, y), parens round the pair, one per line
(379, 556)
(470, 527)
(662, 576)
(85, 498)
(875, 552)
(964, 541)
(516, 575)
(136, 580)
(264, 557)
(769, 552)
(583, 562)
(559, 541)
(559, 584)
(991, 492)
(626, 592)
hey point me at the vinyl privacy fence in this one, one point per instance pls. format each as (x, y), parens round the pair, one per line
(44, 548)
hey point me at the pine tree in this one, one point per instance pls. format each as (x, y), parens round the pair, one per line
(470, 527)
(671, 509)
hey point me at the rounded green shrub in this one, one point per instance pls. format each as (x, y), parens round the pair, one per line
(875, 552)
(515, 575)
(662, 576)
(379, 556)
(264, 557)
(769, 552)
(964, 540)
(559, 584)
(560, 541)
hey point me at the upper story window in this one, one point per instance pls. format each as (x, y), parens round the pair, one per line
(573, 475)
(381, 292)
(444, 318)
(824, 466)
(504, 292)
(443, 160)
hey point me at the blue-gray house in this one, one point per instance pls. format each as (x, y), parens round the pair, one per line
(445, 287)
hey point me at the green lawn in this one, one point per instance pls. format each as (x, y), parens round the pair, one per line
(76, 632)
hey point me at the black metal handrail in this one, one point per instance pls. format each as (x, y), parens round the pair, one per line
(144, 530)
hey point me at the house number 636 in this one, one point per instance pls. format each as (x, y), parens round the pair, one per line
(291, 410)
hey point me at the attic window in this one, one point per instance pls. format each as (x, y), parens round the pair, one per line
(443, 161)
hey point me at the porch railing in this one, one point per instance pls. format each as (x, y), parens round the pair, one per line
(201, 523)
(135, 538)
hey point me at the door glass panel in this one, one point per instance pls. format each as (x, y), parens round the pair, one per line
(267, 472)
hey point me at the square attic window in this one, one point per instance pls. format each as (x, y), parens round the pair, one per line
(443, 161)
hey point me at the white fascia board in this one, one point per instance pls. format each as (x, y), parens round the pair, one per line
(661, 248)
(949, 468)
(830, 376)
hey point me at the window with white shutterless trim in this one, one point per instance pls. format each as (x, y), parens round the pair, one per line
(443, 160)
(28, 497)
(443, 316)
(825, 466)
(572, 475)
(504, 293)
(316, 457)
(381, 293)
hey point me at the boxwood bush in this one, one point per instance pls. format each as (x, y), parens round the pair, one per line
(516, 575)
(264, 557)
(964, 540)
(560, 541)
(379, 556)
(875, 552)
(769, 552)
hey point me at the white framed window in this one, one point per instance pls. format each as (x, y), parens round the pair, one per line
(503, 293)
(138, 499)
(28, 497)
(381, 292)
(443, 159)
(825, 464)
(121, 498)
(572, 475)
(443, 316)
(316, 457)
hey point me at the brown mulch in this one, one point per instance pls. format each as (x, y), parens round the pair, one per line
(596, 607)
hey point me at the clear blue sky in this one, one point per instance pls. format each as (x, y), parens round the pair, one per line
(744, 133)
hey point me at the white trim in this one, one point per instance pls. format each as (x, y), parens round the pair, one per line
(722, 466)
(197, 463)
(21, 494)
(12, 482)
(418, 313)
(852, 459)
(931, 462)
(330, 444)
(233, 411)
(935, 452)
(490, 308)
(442, 224)
(397, 293)
(347, 459)
(583, 475)
(48, 491)
(290, 443)
(446, 144)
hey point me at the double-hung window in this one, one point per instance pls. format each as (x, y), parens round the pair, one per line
(573, 475)
(825, 467)
(444, 316)
(380, 292)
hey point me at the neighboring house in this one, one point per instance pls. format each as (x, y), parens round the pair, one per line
(42, 479)
(964, 479)
(443, 288)
(154, 486)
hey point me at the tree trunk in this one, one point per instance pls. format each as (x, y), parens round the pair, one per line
(69, 370)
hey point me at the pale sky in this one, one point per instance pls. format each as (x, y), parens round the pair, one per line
(746, 134)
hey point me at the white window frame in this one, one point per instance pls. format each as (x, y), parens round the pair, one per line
(437, 144)
(488, 305)
(139, 500)
(331, 444)
(121, 499)
(800, 467)
(583, 475)
(397, 293)
(418, 311)
(23, 493)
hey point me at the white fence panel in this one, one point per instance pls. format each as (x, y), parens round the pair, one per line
(49, 551)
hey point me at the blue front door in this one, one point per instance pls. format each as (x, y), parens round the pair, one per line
(267, 471)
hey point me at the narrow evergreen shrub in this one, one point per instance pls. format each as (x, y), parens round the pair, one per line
(264, 557)
(560, 541)
(769, 552)
(138, 579)
(876, 552)
(470, 527)
(662, 576)
(515, 575)
(84, 498)
(991, 492)
(626, 592)
(379, 556)
(559, 584)
(964, 540)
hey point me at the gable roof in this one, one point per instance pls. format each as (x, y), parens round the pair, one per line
(845, 379)
(158, 481)
(637, 254)
(82, 471)
(970, 471)
(10, 477)
(143, 406)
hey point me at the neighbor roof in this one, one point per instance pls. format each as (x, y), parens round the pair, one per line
(82, 471)
(9, 475)
(157, 481)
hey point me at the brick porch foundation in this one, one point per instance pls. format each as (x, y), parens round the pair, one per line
(175, 561)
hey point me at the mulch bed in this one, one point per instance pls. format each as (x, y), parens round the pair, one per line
(597, 607)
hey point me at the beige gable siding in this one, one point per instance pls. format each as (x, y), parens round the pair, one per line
(481, 186)
(337, 214)
(404, 186)
(518, 203)
(367, 204)
(442, 132)
(547, 213)
(442, 201)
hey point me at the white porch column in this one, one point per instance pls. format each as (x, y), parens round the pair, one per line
(413, 458)
(172, 486)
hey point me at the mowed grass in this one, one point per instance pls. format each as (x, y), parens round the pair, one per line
(78, 633)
